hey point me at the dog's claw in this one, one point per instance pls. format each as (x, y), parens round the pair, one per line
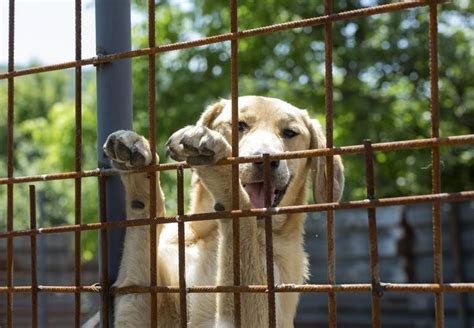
(109, 149)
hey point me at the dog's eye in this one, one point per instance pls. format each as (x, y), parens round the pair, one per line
(242, 126)
(287, 133)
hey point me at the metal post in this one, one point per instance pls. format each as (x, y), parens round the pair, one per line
(114, 112)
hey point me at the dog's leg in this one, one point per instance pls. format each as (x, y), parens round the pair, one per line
(127, 151)
(201, 147)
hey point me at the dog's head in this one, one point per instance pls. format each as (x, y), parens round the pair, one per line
(269, 125)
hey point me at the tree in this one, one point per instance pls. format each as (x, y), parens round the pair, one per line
(44, 143)
(381, 79)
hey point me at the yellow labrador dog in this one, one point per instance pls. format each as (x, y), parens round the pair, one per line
(266, 125)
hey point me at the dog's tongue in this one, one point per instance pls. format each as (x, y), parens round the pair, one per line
(256, 193)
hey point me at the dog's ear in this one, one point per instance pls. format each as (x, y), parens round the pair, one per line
(211, 112)
(318, 165)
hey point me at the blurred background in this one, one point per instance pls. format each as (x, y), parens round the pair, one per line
(381, 92)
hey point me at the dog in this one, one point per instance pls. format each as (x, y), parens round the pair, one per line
(266, 126)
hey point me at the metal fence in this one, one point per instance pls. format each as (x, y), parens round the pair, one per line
(438, 288)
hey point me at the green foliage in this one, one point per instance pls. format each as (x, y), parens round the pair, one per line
(381, 92)
(44, 143)
(381, 79)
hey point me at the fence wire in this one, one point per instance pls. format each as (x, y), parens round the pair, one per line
(376, 287)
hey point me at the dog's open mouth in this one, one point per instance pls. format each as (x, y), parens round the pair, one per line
(256, 193)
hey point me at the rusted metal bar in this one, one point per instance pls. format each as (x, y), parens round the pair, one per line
(372, 224)
(78, 163)
(269, 242)
(53, 289)
(181, 250)
(355, 149)
(264, 30)
(330, 231)
(234, 85)
(34, 267)
(152, 175)
(365, 203)
(104, 272)
(307, 288)
(10, 168)
(435, 164)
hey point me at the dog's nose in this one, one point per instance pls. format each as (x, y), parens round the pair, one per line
(273, 164)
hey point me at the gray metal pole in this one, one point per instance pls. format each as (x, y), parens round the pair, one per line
(114, 111)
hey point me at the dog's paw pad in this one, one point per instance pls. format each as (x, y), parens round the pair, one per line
(137, 158)
(127, 150)
(122, 152)
(197, 145)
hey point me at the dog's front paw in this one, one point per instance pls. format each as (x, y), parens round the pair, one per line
(197, 145)
(127, 150)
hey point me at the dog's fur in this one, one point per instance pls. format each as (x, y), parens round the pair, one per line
(267, 125)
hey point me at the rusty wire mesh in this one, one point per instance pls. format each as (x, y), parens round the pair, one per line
(438, 287)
